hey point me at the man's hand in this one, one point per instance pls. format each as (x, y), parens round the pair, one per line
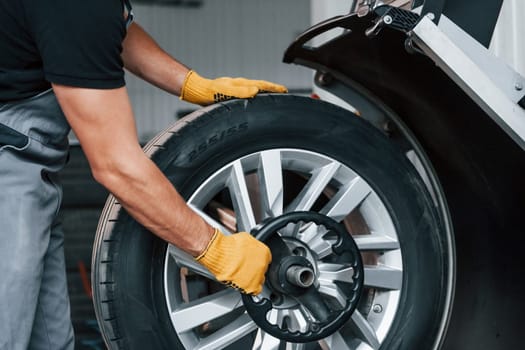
(239, 261)
(202, 91)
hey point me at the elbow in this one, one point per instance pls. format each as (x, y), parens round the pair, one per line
(114, 175)
(106, 176)
(120, 171)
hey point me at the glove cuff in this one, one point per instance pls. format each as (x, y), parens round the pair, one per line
(194, 88)
(210, 243)
(215, 256)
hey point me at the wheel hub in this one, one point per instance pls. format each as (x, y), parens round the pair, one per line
(292, 281)
(297, 272)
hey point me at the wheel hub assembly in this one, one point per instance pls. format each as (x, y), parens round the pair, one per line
(292, 279)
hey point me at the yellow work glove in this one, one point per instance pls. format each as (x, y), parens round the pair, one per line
(239, 261)
(202, 91)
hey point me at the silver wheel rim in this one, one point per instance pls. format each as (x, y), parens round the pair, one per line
(257, 189)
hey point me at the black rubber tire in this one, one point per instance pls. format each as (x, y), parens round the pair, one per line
(128, 261)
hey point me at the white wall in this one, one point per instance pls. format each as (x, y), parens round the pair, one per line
(321, 10)
(324, 9)
(509, 38)
(223, 37)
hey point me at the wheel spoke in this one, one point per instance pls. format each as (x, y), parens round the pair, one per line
(184, 259)
(296, 319)
(321, 246)
(334, 342)
(364, 330)
(211, 221)
(334, 291)
(347, 199)
(329, 273)
(229, 334)
(200, 311)
(309, 231)
(313, 188)
(383, 277)
(240, 198)
(376, 242)
(271, 180)
(291, 230)
(265, 341)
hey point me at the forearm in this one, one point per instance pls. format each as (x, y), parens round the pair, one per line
(152, 200)
(145, 58)
(103, 122)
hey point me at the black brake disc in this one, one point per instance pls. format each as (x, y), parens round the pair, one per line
(293, 276)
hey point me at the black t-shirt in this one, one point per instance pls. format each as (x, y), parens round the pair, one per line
(68, 42)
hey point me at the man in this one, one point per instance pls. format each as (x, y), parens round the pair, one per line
(61, 66)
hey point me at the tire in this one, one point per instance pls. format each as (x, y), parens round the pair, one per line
(149, 295)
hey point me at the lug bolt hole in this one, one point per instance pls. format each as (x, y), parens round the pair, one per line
(377, 308)
(299, 251)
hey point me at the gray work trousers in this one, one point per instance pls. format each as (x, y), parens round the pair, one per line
(34, 304)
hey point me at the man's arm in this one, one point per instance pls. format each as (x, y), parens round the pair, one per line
(143, 57)
(103, 122)
(146, 59)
